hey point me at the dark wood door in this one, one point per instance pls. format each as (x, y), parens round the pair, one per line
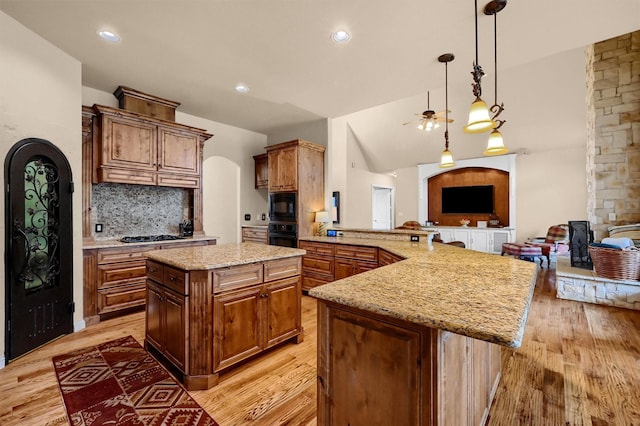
(38, 246)
(237, 326)
(282, 298)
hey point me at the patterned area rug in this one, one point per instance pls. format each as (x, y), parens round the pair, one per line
(119, 383)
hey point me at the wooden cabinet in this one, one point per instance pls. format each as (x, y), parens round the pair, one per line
(283, 169)
(387, 258)
(261, 163)
(298, 166)
(374, 369)
(318, 265)
(326, 262)
(352, 260)
(255, 234)
(229, 314)
(114, 278)
(135, 149)
(166, 323)
(253, 319)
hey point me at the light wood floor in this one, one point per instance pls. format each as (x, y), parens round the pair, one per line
(579, 365)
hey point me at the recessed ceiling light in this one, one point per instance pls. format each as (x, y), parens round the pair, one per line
(109, 36)
(241, 88)
(340, 36)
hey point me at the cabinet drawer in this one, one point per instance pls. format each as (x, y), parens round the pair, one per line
(178, 181)
(165, 246)
(281, 268)
(115, 175)
(324, 249)
(176, 279)
(123, 254)
(357, 252)
(114, 274)
(237, 276)
(121, 297)
(318, 264)
(154, 271)
(311, 281)
(254, 233)
(387, 258)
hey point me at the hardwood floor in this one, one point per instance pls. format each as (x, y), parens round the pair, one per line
(579, 365)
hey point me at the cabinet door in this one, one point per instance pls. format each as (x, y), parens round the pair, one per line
(261, 171)
(480, 240)
(283, 169)
(282, 313)
(154, 315)
(176, 324)
(178, 152)
(446, 235)
(236, 326)
(343, 268)
(453, 386)
(128, 143)
(360, 266)
(461, 235)
(497, 239)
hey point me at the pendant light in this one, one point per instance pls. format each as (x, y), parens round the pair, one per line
(495, 144)
(447, 158)
(479, 119)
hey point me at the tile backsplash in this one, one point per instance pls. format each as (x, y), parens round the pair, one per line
(137, 210)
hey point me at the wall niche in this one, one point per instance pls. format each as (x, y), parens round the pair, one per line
(469, 176)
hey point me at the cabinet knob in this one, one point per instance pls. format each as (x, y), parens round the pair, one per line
(172, 278)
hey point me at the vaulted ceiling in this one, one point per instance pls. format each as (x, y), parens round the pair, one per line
(195, 52)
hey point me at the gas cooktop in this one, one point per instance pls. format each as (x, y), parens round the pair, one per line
(149, 238)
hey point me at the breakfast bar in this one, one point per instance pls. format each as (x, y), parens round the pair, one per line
(210, 307)
(417, 342)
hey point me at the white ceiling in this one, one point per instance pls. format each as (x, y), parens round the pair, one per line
(195, 52)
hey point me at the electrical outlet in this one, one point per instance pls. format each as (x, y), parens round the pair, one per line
(415, 238)
(98, 227)
(263, 217)
(247, 217)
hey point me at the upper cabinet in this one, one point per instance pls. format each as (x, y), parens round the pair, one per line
(283, 168)
(261, 171)
(136, 149)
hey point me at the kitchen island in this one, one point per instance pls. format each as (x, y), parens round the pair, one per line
(209, 308)
(417, 342)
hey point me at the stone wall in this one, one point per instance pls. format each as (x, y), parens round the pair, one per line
(616, 137)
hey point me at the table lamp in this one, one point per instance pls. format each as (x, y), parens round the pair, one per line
(322, 217)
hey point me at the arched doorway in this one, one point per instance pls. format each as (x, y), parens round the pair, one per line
(38, 246)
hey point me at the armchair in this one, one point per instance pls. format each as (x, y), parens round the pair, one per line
(555, 242)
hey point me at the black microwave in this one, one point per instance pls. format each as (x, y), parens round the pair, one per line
(282, 206)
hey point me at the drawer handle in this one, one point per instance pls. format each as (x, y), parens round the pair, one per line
(172, 278)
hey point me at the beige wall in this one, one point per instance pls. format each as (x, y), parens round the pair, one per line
(40, 96)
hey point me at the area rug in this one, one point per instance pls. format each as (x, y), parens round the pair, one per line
(119, 383)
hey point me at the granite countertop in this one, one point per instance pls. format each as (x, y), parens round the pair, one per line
(117, 243)
(219, 256)
(480, 295)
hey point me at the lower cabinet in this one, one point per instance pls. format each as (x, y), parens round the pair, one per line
(167, 321)
(114, 278)
(488, 240)
(205, 321)
(374, 369)
(256, 234)
(326, 262)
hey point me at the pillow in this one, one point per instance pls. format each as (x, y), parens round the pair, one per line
(601, 245)
(621, 242)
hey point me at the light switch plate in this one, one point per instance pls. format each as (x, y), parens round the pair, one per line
(98, 227)
(415, 238)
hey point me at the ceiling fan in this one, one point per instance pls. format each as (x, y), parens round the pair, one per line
(429, 119)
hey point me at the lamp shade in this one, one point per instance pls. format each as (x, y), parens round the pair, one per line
(446, 160)
(322, 217)
(479, 119)
(495, 145)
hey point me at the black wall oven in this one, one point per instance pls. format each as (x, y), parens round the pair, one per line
(283, 234)
(282, 207)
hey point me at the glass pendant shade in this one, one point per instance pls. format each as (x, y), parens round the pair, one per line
(428, 124)
(479, 119)
(446, 160)
(495, 145)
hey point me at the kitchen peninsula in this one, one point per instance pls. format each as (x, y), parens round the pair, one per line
(211, 307)
(417, 342)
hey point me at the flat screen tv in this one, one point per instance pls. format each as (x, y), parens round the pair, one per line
(467, 199)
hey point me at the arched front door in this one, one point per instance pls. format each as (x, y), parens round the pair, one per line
(38, 246)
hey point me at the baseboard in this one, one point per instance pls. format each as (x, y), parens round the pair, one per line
(79, 325)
